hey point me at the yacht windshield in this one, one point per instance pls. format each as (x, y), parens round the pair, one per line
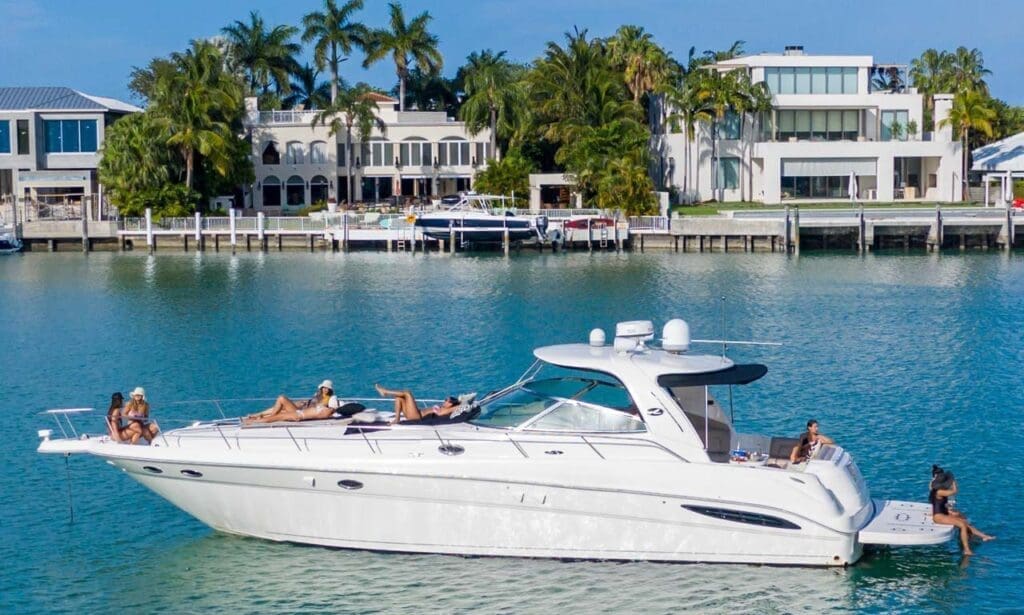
(562, 404)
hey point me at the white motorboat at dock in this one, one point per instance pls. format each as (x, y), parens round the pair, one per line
(622, 453)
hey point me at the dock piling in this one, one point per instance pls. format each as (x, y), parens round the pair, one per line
(85, 225)
(232, 227)
(261, 229)
(149, 230)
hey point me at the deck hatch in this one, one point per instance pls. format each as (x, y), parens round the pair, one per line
(740, 516)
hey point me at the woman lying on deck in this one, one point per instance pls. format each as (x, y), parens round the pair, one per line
(405, 405)
(321, 406)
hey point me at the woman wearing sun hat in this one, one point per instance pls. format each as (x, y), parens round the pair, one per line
(320, 406)
(137, 411)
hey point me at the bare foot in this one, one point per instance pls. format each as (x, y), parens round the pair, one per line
(986, 537)
(968, 552)
(380, 390)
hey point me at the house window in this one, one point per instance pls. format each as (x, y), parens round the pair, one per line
(341, 154)
(5, 137)
(453, 152)
(70, 136)
(729, 173)
(729, 126)
(23, 147)
(318, 189)
(293, 154)
(318, 152)
(270, 155)
(894, 125)
(295, 191)
(831, 125)
(271, 191)
(811, 80)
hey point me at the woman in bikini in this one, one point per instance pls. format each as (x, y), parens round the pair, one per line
(114, 426)
(943, 487)
(406, 406)
(137, 411)
(321, 406)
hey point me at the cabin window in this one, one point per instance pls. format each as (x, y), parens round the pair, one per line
(740, 516)
(574, 416)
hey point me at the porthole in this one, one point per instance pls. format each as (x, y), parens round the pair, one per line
(153, 469)
(348, 483)
(191, 474)
(451, 449)
(553, 452)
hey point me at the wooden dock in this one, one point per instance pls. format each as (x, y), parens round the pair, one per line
(787, 230)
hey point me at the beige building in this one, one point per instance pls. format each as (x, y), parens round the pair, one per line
(418, 155)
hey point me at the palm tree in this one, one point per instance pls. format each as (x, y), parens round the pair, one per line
(721, 91)
(967, 70)
(688, 108)
(264, 57)
(644, 64)
(494, 95)
(406, 43)
(194, 106)
(307, 90)
(971, 110)
(352, 109)
(931, 74)
(759, 104)
(734, 51)
(431, 92)
(334, 33)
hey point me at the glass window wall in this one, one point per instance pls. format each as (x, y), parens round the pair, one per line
(729, 173)
(70, 136)
(820, 125)
(894, 125)
(811, 80)
(5, 137)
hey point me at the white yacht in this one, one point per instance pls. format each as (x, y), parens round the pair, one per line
(480, 218)
(623, 453)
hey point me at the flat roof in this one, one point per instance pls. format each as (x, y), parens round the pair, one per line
(783, 60)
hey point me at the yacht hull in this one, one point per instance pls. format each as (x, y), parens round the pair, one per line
(450, 514)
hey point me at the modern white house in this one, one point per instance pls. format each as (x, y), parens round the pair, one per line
(828, 125)
(418, 154)
(50, 140)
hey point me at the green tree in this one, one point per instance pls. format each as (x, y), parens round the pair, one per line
(625, 185)
(687, 108)
(334, 33)
(510, 175)
(265, 57)
(196, 105)
(135, 164)
(494, 95)
(722, 91)
(931, 74)
(967, 71)
(644, 65)
(353, 111)
(431, 92)
(307, 90)
(405, 42)
(971, 110)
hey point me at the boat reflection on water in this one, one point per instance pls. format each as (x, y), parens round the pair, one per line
(232, 573)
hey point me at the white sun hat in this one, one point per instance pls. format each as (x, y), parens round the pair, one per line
(327, 384)
(139, 391)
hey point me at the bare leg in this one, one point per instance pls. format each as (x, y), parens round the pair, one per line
(283, 404)
(965, 533)
(151, 430)
(405, 403)
(115, 433)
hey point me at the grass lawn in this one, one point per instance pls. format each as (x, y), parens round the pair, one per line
(711, 209)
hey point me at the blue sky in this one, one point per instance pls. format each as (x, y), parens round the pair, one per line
(92, 46)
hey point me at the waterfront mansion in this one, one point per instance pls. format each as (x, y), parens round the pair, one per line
(831, 122)
(409, 154)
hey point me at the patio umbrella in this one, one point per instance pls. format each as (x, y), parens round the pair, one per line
(853, 186)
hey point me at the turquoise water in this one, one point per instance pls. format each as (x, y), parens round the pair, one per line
(905, 360)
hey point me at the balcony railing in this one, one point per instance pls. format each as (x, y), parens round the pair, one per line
(287, 117)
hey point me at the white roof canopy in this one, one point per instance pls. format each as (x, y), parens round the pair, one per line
(1005, 155)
